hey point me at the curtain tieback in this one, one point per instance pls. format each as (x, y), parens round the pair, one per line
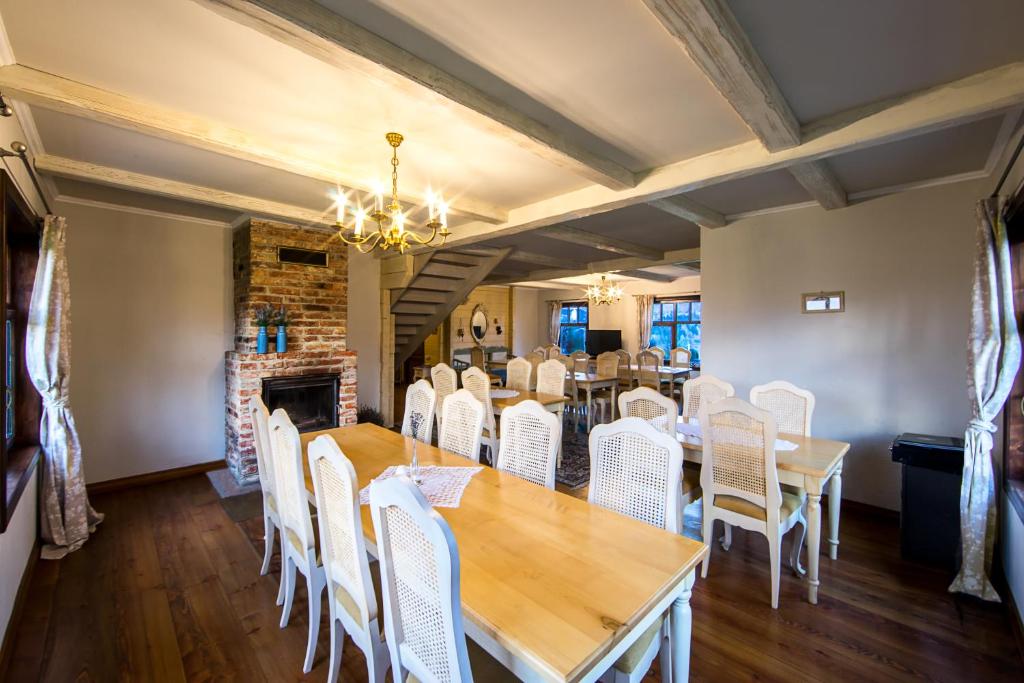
(982, 426)
(61, 402)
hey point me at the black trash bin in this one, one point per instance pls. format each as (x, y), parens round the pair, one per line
(933, 467)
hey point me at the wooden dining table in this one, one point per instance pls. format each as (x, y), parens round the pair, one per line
(589, 381)
(554, 588)
(814, 463)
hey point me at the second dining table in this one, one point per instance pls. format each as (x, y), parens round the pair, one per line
(554, 588)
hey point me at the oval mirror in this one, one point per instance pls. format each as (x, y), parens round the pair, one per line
(478, 324)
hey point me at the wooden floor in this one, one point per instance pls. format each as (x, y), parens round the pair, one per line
(168, 590)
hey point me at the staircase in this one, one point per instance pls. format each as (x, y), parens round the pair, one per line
(426, 288)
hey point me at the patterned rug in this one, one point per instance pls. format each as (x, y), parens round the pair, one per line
(575, 470)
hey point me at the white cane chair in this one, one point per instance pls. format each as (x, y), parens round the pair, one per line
(650, 406)
(551, 378)
(580, 361)
(530, 436)
(298, 547)
(541, 350)
(445, 383)
(740, 482)
(259, 415)
(607, 366)
(703, 390)
(535, 358)
(679, 358)
(633, 470)
(625, 372)
(351, 599)
(419, 572)
(552, 350)
(462, 426)
(421, 400)
(647, 373)
(518, 374)
(791, 406)
(656, 350)
(477, 383)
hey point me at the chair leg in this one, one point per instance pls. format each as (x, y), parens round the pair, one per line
(281, 586)
(707, 529)
(315, 590)
(288, 579)
(774, 550)
(798, 544)
(268, 543)
(727, 537)
(337, 643)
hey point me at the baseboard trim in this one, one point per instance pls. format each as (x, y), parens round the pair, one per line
(112, 485)
(7, 647)
(882, 514)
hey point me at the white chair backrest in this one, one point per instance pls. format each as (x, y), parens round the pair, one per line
(518, 374)
(552, 350)
(541, 350)
(420, 404)
(462, 425)
(650, 406)
(259, 415)
(535, 358)
(625, 360)
(419, 568)
(680, 358)
(342, 548)
(566, 361)
(478, 383)
(580, 361)
(635, 470)
(292, 505)
(647, 369)
(445, 381)
(607, 364)
(701, 390)
(551, 378)
(791, 406)
(529, 443)
(656, 350)
(739, 454)
(477, 358)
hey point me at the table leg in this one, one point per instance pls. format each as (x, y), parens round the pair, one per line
(681, 624)
(835, 494)
(590, 410)
(813, 486)
(615, 389)
(561, 425)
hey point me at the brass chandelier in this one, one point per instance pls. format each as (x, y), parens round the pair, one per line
(605, 293)
(392, 231)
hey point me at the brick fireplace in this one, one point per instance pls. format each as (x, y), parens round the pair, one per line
(316, 298)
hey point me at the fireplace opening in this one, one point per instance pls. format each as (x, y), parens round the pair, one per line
(311, 401)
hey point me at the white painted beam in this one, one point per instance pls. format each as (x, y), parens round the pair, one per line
(524, 256)
(968, 99)
(331, 38)
(647, 275)
(605, 266)
(687, 209)
(821, 183)
(137, 182)
(95, 104)
(564, 233)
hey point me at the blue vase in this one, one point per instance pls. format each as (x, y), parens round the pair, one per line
(261, 340)
(282, 339)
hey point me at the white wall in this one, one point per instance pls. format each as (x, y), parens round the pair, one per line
(526, 335)
(364, 332)
(151, 319)
(617, 316)
(894, 361)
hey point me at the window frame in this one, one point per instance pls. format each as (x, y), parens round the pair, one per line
(563, 326)
(673, 325)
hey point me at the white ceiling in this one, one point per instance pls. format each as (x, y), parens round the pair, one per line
(602, 74)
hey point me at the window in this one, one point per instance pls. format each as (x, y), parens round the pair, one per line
(676, 324)
(573, 336)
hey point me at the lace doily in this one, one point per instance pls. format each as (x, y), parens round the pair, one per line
(504, 393)
(443, 486)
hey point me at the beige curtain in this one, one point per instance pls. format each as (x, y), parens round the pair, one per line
(644, 304)
(993, 356)
(554, 321)
(66, 518)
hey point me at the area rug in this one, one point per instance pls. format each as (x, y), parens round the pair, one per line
(575, 470)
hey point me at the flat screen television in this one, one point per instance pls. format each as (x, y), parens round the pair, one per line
(599, 341)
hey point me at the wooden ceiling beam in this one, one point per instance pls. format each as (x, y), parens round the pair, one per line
(320, 33)
(564, 233)
(687, 209)
(605, 266)
(709, 33)
(524, 256)
(951, 104)
(138, 182)
(95, 104)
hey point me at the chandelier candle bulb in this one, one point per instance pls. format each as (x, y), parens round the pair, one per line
(444, 215)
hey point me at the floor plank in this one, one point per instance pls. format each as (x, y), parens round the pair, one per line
(169, 590)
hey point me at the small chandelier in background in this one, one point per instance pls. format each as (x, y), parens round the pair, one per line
(604, 293)
(392, 231)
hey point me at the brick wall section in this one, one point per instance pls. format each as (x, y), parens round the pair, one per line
(316, 299)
